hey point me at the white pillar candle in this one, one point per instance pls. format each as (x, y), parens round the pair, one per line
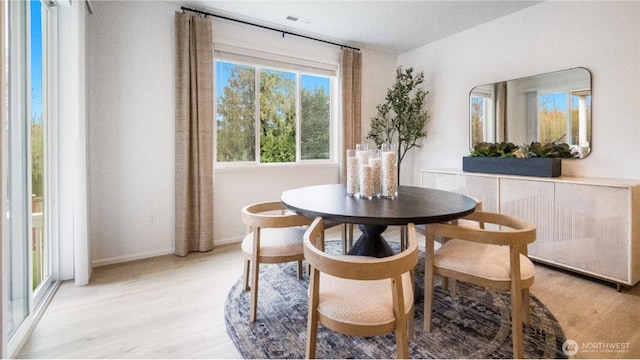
(366, 182)
(352, 173)
(376, 164)
(389, 176)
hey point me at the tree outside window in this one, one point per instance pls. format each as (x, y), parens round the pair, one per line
(316, 117)
(286, 102)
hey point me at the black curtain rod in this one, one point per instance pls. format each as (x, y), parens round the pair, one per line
(283, 32)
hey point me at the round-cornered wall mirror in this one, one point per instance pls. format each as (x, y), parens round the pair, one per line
(552, 107)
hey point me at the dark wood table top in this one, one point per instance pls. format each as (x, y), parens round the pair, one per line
(412, 205)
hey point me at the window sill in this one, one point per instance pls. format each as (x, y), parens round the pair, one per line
(253, 168)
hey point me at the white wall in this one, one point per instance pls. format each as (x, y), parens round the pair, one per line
(131, 129)
(604, 37)
(130, 67)
(379, 74)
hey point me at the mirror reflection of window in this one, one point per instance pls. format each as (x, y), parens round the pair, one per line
(482, 108)
(564, 117)
(554, 124)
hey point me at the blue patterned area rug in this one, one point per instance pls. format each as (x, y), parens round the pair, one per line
(475, 324)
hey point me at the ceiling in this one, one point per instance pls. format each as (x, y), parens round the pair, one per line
(389, 26)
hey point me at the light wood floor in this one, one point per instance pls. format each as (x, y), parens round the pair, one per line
(172, 307)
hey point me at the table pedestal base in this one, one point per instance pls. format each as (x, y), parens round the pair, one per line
(371, 242)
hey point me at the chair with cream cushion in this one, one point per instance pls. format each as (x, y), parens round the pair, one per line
(451, 283)
(495, 257)
(359, 295)
(274, 236)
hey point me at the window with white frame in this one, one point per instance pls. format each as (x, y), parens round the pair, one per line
(273, 109)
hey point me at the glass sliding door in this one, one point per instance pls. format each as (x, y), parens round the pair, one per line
(17, 284)
(29, 149)
(40, 269)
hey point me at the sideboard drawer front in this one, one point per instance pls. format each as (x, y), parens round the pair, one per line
(480, 187)
(593, 225)
(534, 201)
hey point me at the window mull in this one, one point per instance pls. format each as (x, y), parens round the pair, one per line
(268, 28)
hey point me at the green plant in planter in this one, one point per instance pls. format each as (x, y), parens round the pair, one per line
(486, 149)
(533, 150)
(551, 150)
(401, 119)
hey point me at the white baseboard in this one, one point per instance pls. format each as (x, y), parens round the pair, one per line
(228, 241)
(126, 258)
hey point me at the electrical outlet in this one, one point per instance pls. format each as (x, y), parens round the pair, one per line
(153, 218)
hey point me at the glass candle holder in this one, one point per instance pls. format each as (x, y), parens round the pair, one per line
(353, 185)
(389, 172)
(362, 157)
(376, 166)
(366, 182)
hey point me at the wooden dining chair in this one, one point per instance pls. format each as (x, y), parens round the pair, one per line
(274, 235)
(359, 295)
(495, 256)
(451, 283)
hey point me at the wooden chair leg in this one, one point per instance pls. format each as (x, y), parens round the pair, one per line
(453, 288)
(526, 306)
(245, 275)
(401, 331)
(255, 270)
(516, 323)
(312, 334)
(428, 300)
(402, 342)
(300, 270)
(428, 282)
(312, 316)
(411, 331)
(411, 319)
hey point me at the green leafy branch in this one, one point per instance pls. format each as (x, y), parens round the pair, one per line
(401, 119)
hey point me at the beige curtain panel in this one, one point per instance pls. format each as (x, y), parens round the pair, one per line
(194, 134)
(351, 75)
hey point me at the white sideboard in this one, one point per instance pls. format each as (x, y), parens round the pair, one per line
(587, 225)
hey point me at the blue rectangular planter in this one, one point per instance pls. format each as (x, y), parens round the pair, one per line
(547, 167)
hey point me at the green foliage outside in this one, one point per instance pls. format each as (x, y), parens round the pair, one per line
(553, 122)
(277, 117)
(37, 160)
(315, 124)
(37, 189)
(477, 119)
(236, 133)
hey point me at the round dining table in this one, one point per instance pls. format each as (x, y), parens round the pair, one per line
(411, 205)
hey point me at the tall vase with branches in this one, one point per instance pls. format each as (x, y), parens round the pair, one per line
(401, 119)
